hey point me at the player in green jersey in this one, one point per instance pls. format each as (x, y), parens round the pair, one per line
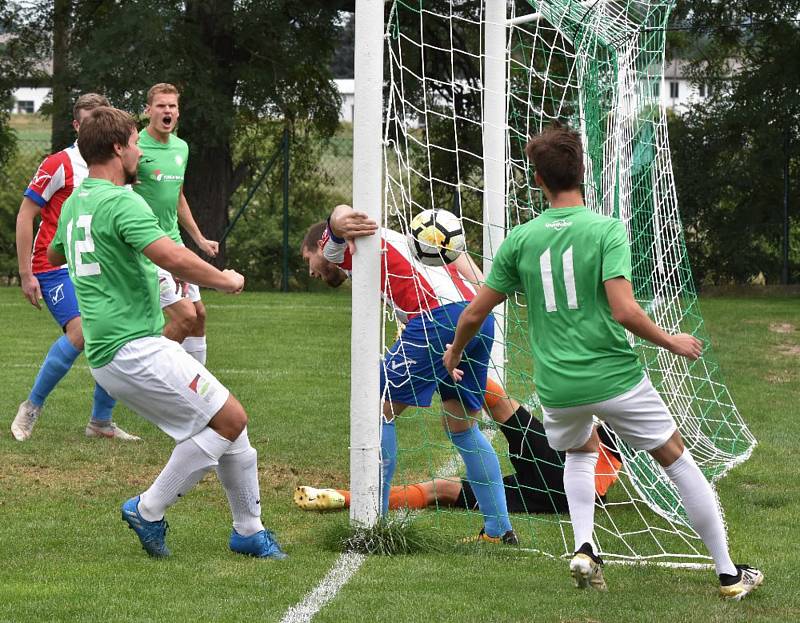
(574, 267)
(112, 243)
(161, 174)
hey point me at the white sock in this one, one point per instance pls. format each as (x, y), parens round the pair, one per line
(701, 507)
(579, 486)
(196, 347)
(238, 472)
(189, 462)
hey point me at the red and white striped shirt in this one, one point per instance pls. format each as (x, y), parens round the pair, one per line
(408, 285)
(55, 179)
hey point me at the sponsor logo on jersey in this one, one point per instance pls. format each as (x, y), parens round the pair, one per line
(158, 176)
(41, 177)
(56, 294)
(178, 159)
(560, 224)
(202, 387)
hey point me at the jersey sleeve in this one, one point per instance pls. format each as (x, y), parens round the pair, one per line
(504, 276)
(135, 221)
(616, 253)
(335, 250)
(49, 178)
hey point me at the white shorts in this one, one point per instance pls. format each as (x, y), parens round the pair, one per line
(155, 377)
(639, 416)
(166, 288)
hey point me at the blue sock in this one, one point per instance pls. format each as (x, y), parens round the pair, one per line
(103, 404)
(388, 462)
(59, 360)
(483, 473)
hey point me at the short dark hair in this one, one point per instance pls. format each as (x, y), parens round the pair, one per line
(557, 156)
(88, 101)
(313, 236)
(103, 129)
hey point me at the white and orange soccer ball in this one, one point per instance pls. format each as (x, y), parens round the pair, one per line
(436, 237)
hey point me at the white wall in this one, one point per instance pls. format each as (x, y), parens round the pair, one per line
(24, 97)
(347, 91)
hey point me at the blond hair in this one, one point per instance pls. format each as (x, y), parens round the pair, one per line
(161, 87)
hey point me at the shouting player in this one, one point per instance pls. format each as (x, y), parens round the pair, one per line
(536, 486)
(112, 243)
(161, 173)
(574, 267)
(53, 183)
(429, 300)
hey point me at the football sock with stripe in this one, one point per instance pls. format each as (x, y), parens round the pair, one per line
(579, 470)
(483, 473)
(388, 462)
(238, 472)
(196, 347)
(190, 461)
(102, 407)
(702, 510)
(59, 360)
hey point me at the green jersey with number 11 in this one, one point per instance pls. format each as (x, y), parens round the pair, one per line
(102, 231)
(560, 260)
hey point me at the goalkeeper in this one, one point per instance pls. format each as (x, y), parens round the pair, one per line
(535, 486)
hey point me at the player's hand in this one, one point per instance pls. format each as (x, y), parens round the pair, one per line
(32, 290)
(209, 247)
(235, 280)
(451, 359)
(350, 224)
(686, 345)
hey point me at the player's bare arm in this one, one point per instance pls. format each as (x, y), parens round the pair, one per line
(468, 269)
(627, 312)
(28, 211)
(469, 323)
(189, 267)
(186, 220)
(346, 223)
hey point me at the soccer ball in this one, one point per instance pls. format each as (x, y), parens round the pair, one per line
(436, 237)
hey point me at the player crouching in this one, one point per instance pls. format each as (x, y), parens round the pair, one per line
(111, 242)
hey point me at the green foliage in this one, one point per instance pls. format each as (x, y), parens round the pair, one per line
(729, 151)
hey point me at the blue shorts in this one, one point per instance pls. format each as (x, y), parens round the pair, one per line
(413, 368)
(59, 295)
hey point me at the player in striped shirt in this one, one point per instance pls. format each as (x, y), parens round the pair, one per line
(428, 300)
(51, 186)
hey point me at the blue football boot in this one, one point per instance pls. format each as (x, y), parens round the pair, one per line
(261, 545)
(150, 533)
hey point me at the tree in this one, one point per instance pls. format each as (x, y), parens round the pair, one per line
(730, 151)
(235, 62)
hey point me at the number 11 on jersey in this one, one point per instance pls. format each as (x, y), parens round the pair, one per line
(546, 268)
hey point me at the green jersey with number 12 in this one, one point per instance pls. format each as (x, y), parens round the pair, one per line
(560, 260)
(102, 231)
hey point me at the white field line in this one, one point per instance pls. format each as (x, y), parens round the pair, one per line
(343, 569)
(347, 564)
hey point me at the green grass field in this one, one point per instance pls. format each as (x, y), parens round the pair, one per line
(66, 556)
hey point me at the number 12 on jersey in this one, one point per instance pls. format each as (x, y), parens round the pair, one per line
(86, 245)
(546, 268)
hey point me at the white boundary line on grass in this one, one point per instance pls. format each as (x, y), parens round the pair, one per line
(343, 569)
(347, 564)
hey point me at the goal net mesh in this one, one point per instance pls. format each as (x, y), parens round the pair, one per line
(596, 66)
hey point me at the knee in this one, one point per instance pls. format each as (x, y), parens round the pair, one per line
(199, 323)
(74, 333)
(185, 322)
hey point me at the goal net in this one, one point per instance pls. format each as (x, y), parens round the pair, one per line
(596, 66)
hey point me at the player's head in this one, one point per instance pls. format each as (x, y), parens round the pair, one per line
(318, 266)
(162, 107)
(557, 157)
(108, 135)
(84, 106)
